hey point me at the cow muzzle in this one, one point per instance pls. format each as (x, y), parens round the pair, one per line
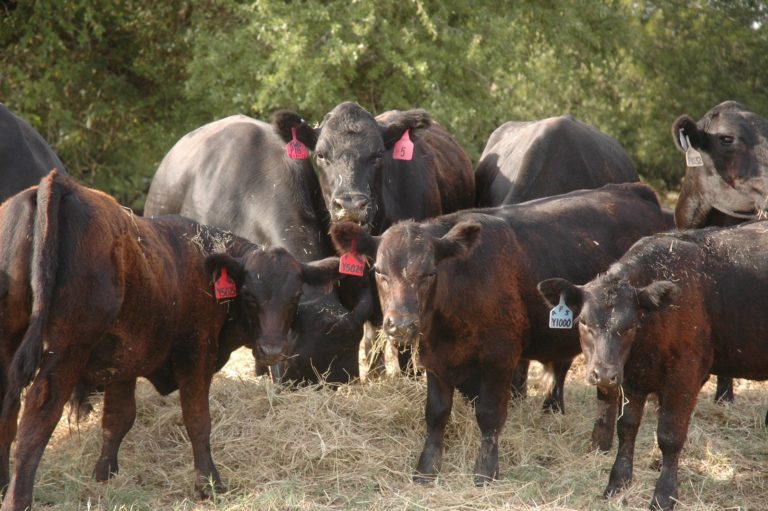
(351, 207)
(402, 330)
(271, 349)
(605, 377)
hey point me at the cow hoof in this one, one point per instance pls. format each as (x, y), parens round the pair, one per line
(104, 471)
(552, 406)
(483, 480)
(208, 489)
(424, 479)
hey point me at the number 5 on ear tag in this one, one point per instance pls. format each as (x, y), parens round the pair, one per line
(295, 149)
(561, 316)
(403, 149)
(352, 263)
(224, 288)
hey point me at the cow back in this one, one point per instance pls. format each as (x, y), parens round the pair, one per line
(235, 174)
(529, 160)
(24, 156)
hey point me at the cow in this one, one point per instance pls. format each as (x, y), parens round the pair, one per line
(492, 259)
(529, 160)
(675, 308)
(533, 159)
(92, 293)
(24, 156)
(726, 175)
(376, 171)
(235, 174)
(364, 180)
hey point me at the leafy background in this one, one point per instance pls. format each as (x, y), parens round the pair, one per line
(112, 84)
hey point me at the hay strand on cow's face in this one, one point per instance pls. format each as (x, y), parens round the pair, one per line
(355, 448)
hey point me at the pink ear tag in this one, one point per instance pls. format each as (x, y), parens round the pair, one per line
(352, 263)
(403, 148)
(224, 288)
(295, 149)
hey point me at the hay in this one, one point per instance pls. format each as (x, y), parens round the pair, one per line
(355, 448)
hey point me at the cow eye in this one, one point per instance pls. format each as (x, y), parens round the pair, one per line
(320, 156)
(378, 155)
(726, 140)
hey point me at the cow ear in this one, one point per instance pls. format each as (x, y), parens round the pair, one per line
(283, 121)
(551, 289)
(318, 273)
(458, 241)
(658, 295)
(215, 262)
(346, 235)
(409, 120)
(684, 127)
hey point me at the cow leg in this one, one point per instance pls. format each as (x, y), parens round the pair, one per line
(675, 409)
(554, 401)
(724, 392)
(605, 424)
(193, 392)
(119, 414)
(438, 409)
(491, 414)
(7, 435)
(626, 429)
(520, 379)
(43, 406)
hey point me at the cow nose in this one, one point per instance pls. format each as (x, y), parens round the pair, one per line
(351, 207)
(603, 377)
(271, 349)
(401, 328)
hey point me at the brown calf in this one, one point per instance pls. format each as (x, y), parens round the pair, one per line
(674, 309)
(91, 293)
(464, 286)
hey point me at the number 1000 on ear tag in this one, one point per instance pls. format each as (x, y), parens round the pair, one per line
(561, 316)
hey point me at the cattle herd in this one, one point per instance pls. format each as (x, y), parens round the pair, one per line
(293, 240)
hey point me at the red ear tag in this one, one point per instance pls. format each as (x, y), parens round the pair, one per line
(224, 288)
(352, 263)
(295, 149)
(403, 148)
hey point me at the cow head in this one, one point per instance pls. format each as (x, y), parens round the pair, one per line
(269, 286)
(408, 271)
(609, 311)
(349, 150)
(733, 176)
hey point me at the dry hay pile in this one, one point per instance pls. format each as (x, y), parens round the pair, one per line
(355, 448)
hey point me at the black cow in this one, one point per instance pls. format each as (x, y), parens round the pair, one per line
(24, 156)
(363, 180)
(675, 308)
(464, 286)
(235, 174)
(528, 160)
(369, 174)
(726, 175)
(91, 293)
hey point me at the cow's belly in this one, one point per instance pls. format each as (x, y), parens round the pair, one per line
(116, 358)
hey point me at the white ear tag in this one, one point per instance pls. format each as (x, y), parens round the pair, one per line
(692, 156)
(561, 316)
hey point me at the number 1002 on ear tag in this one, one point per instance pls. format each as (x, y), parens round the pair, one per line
(561, 316)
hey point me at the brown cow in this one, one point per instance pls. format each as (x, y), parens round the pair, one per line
(91, 293)
(464, 286)
(675, 308)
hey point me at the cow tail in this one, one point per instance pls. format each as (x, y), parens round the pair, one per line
(45, 248)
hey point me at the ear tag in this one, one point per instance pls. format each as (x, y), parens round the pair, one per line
(224, 288)
(403, 148)
(295, 149)
(352, 263)
(561, 316)
(692, 156)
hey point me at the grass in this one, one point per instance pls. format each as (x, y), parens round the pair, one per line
(355, 448)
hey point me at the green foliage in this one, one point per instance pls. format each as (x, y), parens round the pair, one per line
(113, 84)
